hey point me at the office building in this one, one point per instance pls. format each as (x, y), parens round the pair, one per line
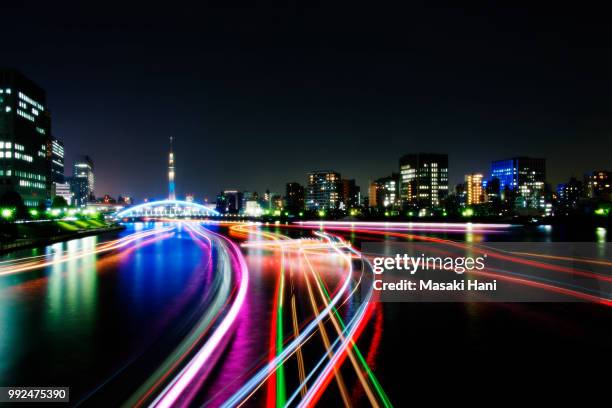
(351, 196)
(25, 126)
(229, 202)
(491, 190)
(62, 190)
(473, 189)
(525, 176)
(294, 196)
(384, 192)
(55, 171)
(249, 196)
(55, 157)
(324, 190)
(423, 179)
(252, 208)
(598, 184)
(278, 202)
(569, 194)
(82, 182)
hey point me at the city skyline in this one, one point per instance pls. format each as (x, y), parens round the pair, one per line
(241, 99)
(422, 180)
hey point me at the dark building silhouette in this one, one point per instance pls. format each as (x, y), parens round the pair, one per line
(294, 196)
(569, 195)
(598, 185)
(350, 194)
(229, 202)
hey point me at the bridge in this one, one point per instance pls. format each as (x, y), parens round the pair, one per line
(167, 208)
(170, 208)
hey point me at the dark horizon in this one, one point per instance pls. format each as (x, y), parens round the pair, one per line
(256, 97)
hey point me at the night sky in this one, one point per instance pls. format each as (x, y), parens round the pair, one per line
(258, 96)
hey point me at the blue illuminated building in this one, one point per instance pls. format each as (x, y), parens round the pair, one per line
(524, 175)
(507, 173)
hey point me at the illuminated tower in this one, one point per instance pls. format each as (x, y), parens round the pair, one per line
(171, 193)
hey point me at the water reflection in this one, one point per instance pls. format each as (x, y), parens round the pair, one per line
(72, 285)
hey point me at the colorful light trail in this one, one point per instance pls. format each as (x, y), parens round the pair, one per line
(316, 308)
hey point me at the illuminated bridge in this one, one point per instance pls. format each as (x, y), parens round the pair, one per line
(167, 208)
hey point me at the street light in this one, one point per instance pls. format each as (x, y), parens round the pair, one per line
(6, 213)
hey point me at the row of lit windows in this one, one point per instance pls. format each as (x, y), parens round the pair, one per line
(31, 101)
(6, 91)
(23, 105)
(58, 150)
(32, 176)
(35, 184)
(8, 154)
(25, 115)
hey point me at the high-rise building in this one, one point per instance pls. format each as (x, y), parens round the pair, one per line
(171, 192)
(25, 126)
(324, 190)
(569, 194)
(423, 179)
(55, 171)
(294, 196)
(248, 196)
(473, 188)
(82, 180)
(266, 200)
(492, 190)
(461, 194)
(79, 190)
(351, 196)
(598, 185)
(278, 202)
(229, 201)
(384, 192)
(525, 176)
(221, 205)
(55, 157)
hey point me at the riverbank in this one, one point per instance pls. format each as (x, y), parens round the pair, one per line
(18, 236)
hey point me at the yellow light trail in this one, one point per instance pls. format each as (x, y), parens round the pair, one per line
(350, 353)
(325, 338)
